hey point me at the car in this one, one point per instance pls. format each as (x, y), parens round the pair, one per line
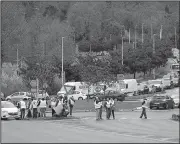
(2, 96)
(9, 110)
(18, 96)
(162, 101)
(158, 84)
(176, 99)
(112, 94)
(78, 95)
(42, 94)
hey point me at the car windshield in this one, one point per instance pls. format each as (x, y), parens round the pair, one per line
(159, 97)
(155, 82)
(7, 105)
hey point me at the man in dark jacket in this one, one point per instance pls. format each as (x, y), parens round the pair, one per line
(71, 104)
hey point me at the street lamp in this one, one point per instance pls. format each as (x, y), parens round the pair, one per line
(62, 71)
(154, 53)
(135, 36)
(122, 52)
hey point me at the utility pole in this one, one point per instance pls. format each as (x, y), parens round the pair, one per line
(90, 48)
(153, 54)
(62, 71)
(151, 31)
(161, 32)
(135, 36)
(17, 58)
(142, 33)
(175, 37)
(122, 52)
(129, 36)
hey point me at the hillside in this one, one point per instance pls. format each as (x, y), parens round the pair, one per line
(36, 28)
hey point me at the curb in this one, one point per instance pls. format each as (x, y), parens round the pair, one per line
(175, 117)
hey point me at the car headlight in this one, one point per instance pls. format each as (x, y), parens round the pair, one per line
(4, 112)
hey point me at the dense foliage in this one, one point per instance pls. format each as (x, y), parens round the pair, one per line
(36, 29)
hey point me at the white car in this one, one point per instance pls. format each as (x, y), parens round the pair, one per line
(18, 95)
(176, 99)
(9, 110)
(78, 95)
(42, 94)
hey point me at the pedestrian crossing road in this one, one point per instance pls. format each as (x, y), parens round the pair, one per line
(127, 127)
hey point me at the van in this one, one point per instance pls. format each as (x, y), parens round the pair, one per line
(131, 86)
(75, 86)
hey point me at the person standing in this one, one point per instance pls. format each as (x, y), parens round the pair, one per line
(108, 108)
(53, 103)
(71, 104)
(29, 114)
(144, 107)
(34, 107)
(112, 103)
(97, 108)
(42, 105)
(101, 108)
(22, 105)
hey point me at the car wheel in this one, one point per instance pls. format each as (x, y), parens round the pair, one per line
(17, 118)
(151, 107)
(80, 98)
(166, 106)
(173, 106)
(4, 119)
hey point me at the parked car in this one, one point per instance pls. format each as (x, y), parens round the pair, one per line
(42, 94)
(176, 99)
(143, 88)
(158, 84)
(18, 96)
(9, 110)
(162, 101)
(112, 94)
(78, 95)
(2, 96)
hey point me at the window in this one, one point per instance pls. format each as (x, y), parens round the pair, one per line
(15, 94)
(167, 97)
(126, 85)
(77, 92)
(21, 93)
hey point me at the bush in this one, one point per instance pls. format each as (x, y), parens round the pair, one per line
(11, 83)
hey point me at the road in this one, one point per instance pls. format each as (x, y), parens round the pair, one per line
(126, 128)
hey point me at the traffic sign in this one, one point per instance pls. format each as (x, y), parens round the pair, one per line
(120, 77)
(33, 83)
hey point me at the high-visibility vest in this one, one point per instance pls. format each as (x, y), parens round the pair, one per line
(97, 105)
(22, 104)
(108, 104)
(34, 103)
(42, 104)
(145, 104)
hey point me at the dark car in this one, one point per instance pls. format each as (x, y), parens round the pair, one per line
(162, 101)
(111, 94)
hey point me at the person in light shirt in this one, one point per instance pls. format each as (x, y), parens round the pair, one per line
(34, 104)
(112, 103)
(22, 105)
(144, 107)
(97, 105)
(42, 105)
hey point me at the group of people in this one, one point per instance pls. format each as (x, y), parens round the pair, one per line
(60, 106)
(35, 108)
(109, 106)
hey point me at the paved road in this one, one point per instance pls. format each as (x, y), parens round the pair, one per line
(126, 128)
